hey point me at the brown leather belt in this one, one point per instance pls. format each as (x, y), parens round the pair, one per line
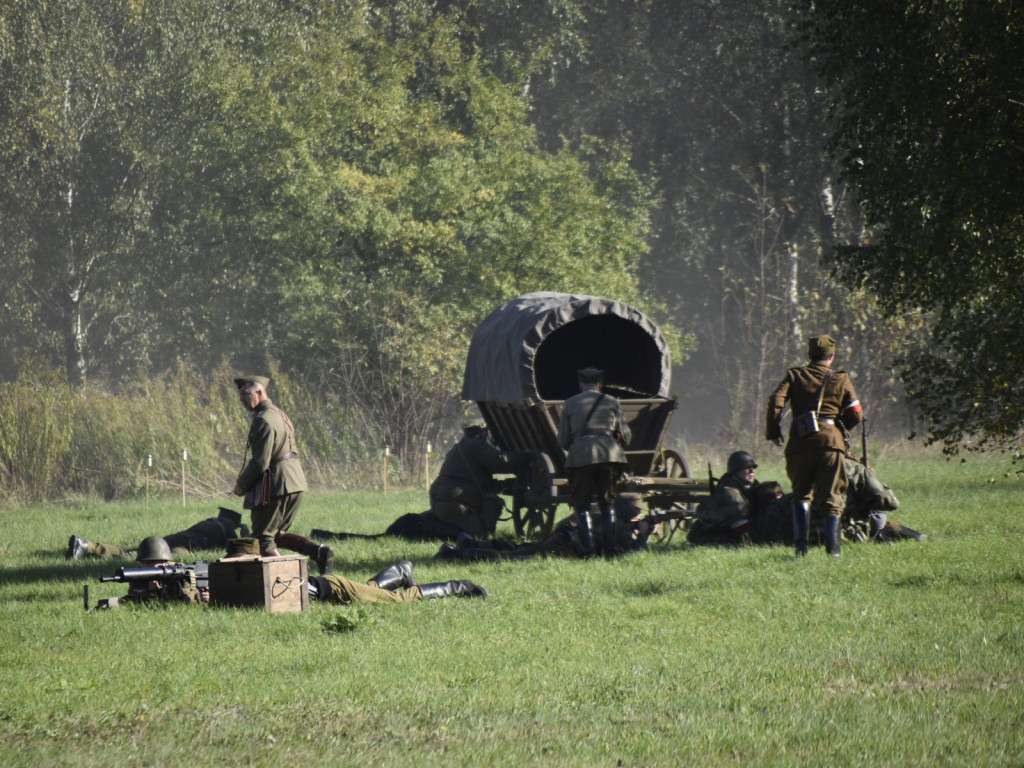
(285, 457)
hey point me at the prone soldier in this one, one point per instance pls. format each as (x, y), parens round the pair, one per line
(209, 534)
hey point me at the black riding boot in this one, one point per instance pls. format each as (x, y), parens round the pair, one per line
(394, 576)
(833, 538)
(608, 548)
(460, 588)
(801, 522)
(320, 553)
(585, 529)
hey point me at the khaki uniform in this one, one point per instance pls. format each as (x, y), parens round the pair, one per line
(465, 493)
(596, 454)
(271, 444)
(814, 462)
(346, 591)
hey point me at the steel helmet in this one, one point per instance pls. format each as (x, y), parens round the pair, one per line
(152, 549)
(740, 460)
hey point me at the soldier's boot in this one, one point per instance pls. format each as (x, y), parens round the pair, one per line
(585, 529)
(77, 548)
(902, 532)
(801, 522)
(321, 554)
(459, 588)
(876, 522)
(394, 576)
(833, 538)
(608, 548)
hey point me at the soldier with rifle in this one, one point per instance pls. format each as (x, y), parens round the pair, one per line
(725, 518)
(824, 406)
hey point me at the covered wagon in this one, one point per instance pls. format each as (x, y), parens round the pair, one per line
(521, 367)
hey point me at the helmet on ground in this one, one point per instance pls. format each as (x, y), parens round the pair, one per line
(740, 460)
(153, 548)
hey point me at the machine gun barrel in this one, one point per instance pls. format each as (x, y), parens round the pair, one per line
(176, 572)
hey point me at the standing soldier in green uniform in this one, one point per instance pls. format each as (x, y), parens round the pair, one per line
(272, 480)
(465, 493)
(821, 400)
(594, 431)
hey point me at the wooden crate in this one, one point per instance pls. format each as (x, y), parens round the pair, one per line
(276, 584)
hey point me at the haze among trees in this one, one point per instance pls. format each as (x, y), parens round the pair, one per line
(341, 191)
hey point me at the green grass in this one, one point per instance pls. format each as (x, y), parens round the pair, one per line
(908, 654)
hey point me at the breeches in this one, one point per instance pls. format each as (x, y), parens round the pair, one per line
(274, 518)
(345, 591)
(593, 480)
(818, 477)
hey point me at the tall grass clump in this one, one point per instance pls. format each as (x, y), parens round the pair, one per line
(97, 440)
(37, 437)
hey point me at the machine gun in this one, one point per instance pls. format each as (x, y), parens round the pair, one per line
(172, 574)
(162, 573)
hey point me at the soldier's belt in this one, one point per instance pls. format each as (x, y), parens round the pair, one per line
(588, 432)
(826, 421)
(285, 457)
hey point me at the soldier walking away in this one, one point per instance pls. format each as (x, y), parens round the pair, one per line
(271, 480)
(823, 404)
(594, 431)
(209, 534)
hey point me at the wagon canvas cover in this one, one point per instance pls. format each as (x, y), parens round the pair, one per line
(531, 347)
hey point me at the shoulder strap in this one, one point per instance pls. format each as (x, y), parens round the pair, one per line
(600, 397)
(821, 392)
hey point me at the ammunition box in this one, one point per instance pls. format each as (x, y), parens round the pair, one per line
(276, 584)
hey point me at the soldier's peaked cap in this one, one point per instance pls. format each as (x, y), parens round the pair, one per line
(821, 346)
(241, 381)
(590, 374)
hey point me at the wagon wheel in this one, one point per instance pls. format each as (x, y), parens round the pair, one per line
(671, 464)
(531, 518)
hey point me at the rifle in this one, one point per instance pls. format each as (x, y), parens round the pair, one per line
(864, 442)
(664, 516)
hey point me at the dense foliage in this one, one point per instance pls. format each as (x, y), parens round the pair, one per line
(348, 188)
(930, 132)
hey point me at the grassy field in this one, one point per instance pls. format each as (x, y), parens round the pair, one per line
(908, 654)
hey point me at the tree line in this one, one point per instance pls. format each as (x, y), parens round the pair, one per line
(345, 189)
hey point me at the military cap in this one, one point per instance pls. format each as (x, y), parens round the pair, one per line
(821, 346)
(241, 381)
(590, 375)
(243, 546)
(474, 427)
